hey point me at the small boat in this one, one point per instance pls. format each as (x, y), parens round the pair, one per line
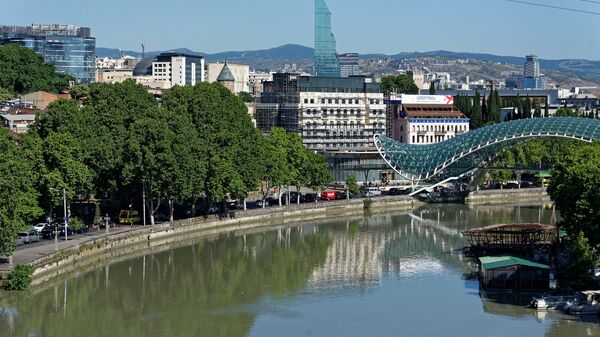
(583, 309)
(585, 303)
(551, 302)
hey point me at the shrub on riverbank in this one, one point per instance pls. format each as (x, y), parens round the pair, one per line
(19, 278)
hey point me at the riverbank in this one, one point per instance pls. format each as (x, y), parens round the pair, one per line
(50, 264)
(508, 196)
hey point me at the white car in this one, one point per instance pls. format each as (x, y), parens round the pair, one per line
(29, 237)
(370, 192)
(38, 228)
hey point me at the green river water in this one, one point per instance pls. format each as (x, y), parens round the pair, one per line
(382, 275)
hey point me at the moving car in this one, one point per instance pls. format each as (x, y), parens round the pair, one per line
(398, 191)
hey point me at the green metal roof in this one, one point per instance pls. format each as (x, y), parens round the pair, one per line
(225, 75)
(543, 175)
(494, 262)
(467, 151)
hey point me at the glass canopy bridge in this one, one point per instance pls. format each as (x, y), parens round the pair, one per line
(462, 155)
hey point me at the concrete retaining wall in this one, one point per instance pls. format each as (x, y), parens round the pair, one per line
(509, 196)
(127, 244)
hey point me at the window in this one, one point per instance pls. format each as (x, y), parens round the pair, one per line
(306, 101)
(322, 100)
(329, 101)
(343, 101)
(312, 101)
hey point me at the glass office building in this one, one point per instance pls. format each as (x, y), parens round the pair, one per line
(326, 60)
(69, 48)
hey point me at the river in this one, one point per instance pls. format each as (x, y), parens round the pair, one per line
(381, 275)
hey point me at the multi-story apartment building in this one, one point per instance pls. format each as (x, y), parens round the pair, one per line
(169, 69)
(329, 113)
(335, 116)
(349, 64)
(71, 49)
(425, 119)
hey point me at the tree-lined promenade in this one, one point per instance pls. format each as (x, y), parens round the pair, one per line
(120, 143)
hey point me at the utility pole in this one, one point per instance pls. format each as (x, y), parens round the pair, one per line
(65, 218)
(144, 202)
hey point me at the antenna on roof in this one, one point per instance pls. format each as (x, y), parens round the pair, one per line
(143, 50)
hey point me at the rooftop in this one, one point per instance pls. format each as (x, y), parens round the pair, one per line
(495, 262)
(225, 75)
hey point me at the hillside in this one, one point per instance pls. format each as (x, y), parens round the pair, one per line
(574, 72)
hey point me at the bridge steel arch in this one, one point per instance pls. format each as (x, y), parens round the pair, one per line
(463, 153)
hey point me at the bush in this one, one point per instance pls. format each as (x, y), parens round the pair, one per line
(19, 278)
(367, 204)
(76, 223)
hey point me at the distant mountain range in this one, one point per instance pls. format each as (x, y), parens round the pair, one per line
(296, 53)
(285, 52)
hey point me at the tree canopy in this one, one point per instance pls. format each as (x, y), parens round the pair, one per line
(18, 197)
(574, 188)
(23, 71)
(401, 84)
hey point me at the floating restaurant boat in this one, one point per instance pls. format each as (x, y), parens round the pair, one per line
(511, 237)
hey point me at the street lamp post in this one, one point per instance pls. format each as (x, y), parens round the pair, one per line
(65, 218)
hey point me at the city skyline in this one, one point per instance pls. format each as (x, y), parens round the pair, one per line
(391, 28)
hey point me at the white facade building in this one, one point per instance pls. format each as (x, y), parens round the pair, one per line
(240, 72)
(426, 119)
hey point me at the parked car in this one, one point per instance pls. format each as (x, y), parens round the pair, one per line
(48, 232)
(369, 192)
(329, 195)
(259, 203)
(29, 237)
(61, 231)
(38, 227)
(340, 195)
(129, 217)
(398, 191)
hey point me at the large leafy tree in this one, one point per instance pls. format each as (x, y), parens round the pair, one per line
(401, 84)
(574, 188)
(110, 111)
(58, 151)
(231, 149)
(18, 197)
(23, 71)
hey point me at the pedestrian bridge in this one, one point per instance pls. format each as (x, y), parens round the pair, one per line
(466, 152)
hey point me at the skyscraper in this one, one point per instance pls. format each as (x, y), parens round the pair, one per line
(349, 64)
(532, 78)
(532, 66)
(71, 49)
(326, 61)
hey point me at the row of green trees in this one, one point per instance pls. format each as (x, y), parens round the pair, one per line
(574, 189)
(199, 142)
(23, 71)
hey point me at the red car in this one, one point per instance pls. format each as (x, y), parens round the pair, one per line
(329, 195)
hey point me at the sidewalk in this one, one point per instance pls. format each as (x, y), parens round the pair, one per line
(30, 252)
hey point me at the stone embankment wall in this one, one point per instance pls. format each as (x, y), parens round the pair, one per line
(128, 244)
(508, 196)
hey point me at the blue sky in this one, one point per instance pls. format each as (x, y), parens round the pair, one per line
(365, 26)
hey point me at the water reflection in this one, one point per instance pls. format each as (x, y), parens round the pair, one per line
(383, 275)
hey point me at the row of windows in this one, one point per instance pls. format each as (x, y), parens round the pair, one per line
(443, 128)
(340, 101)
(428, 139)
(345, 124)
(344, 111)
